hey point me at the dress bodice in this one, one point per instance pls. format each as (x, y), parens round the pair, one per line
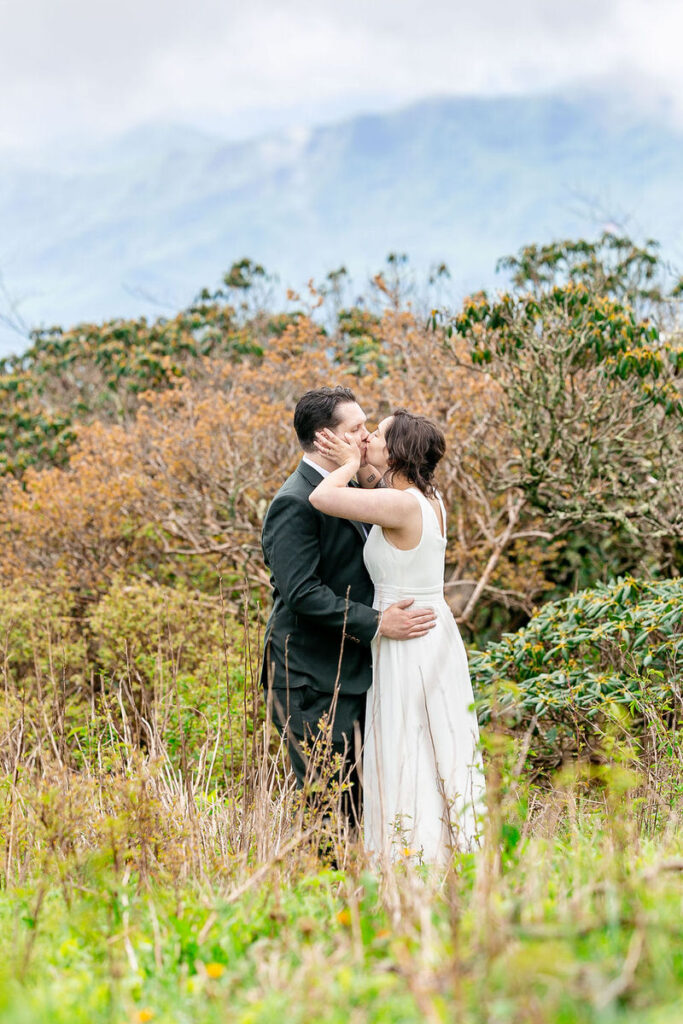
(423, 785)
(417, 572)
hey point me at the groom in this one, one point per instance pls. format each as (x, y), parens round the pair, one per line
(317, 643)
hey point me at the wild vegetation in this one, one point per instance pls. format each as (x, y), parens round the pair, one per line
(156, 862)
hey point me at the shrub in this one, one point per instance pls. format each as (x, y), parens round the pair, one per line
(178, 662)
(596, 658)
(147, 666)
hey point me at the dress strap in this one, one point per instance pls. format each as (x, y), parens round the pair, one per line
(427, 502)
(444, 521)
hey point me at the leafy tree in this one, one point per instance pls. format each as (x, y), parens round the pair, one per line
(614, 267)
(592, 402)
(586, 428)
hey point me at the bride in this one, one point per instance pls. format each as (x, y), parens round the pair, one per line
(423, 783)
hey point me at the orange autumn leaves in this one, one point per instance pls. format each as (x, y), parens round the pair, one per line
(189, 475)
(179, 491)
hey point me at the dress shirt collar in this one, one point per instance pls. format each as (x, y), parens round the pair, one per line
(314, 465)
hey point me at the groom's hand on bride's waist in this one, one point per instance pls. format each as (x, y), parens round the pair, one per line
(401, 622)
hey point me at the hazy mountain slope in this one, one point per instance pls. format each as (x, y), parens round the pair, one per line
(88, 233)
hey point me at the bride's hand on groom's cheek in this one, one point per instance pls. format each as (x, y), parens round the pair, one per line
(342, 452)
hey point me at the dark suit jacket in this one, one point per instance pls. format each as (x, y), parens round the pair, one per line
(314, 560)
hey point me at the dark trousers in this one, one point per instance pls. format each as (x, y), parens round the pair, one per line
(296, 713)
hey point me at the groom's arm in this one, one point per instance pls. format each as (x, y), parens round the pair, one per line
(291, 547)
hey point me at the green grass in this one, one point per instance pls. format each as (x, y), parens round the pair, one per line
(172, 884)
(584, 924)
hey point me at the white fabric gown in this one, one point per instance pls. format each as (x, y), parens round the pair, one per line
(423, 784)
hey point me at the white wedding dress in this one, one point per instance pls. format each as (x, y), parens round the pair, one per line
(423, 784)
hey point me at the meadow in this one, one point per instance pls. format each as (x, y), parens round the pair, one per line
(157, 863)
(158, 885)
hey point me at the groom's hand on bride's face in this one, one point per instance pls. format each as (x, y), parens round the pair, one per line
(401, 622)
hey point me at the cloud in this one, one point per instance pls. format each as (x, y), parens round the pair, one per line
(75, 66)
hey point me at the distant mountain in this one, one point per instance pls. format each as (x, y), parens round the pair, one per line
(93, 232)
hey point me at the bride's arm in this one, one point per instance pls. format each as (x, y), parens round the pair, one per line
(384, 506)
(369, 476)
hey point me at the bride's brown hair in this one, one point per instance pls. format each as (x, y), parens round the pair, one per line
(415, 446)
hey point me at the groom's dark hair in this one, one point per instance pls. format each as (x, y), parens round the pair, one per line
(317, 409)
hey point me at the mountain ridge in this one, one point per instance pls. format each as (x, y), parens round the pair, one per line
(164, 209)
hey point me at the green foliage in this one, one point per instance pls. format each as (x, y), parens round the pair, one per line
(599, 656)
(591, 406)
(613, 266)
(598, 330)
(101, 370)
(146, 659)
(39, 641)
(176, 656)
(152, 631)
(359, 341)
(243, 274)
(325, 948)
(29, 434)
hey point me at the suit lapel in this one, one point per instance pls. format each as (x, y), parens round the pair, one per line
(363, 528)
(312, 477)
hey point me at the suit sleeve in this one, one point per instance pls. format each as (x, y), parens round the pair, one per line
(291, 547)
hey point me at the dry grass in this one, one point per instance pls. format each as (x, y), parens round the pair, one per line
(163, 878)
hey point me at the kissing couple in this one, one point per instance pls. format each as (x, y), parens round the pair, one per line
(360, 635)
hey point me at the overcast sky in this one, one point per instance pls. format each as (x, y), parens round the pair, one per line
(72, 65)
